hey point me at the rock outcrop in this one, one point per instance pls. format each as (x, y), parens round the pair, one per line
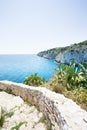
(60, 112)
(76, 52)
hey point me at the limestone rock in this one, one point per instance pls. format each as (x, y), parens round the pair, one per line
(76, 52)
(61, 113)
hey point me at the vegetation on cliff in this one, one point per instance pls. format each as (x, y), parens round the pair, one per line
(72, 82)
(68, 80)
(76, 52)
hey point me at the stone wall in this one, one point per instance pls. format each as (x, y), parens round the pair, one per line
(60, 112)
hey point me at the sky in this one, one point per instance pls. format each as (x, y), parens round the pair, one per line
(31, 26)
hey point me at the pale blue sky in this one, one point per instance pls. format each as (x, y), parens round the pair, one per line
(30, 26)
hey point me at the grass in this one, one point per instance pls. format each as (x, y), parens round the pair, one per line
(3, 115)
(43, 120)
(50, 127)
(79, 95)
(9, 114)
(31, 111)
(18, 126)
(15, 108)
(2, 119)
(28, 103)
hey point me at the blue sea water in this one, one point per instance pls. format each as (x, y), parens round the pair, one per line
(17, 67)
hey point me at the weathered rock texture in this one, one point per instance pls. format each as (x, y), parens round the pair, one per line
(60, 112)
(76, 52)
(16, 111)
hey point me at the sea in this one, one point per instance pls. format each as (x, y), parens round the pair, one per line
(16, 67)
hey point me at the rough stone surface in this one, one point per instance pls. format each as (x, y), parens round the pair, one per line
(76, 52)
(79, 56)
(16, 111)
(60, 112)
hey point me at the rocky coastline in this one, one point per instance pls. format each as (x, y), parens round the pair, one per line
(75, 52)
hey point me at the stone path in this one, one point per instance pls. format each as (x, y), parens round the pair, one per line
(19, 115)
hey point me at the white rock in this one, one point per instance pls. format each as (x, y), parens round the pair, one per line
(61, 112)
(21, 113)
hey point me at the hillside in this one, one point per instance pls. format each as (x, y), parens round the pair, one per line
(76, 52)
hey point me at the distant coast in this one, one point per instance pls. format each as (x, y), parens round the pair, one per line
(76, 52)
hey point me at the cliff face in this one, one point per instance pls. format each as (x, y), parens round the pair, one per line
(76, 52)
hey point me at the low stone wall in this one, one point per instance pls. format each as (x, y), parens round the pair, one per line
(60, 112)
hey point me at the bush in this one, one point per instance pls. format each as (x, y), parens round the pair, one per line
(71, 76)
(79, 96)
(56, 85)
(34, 80)
(72, 82)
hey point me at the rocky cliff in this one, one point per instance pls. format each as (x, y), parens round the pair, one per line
(76, 52)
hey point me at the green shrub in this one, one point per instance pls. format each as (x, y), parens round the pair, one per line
(70, 77)
(71, 82)
(56, 85)
(79, 96)
(34, 80)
